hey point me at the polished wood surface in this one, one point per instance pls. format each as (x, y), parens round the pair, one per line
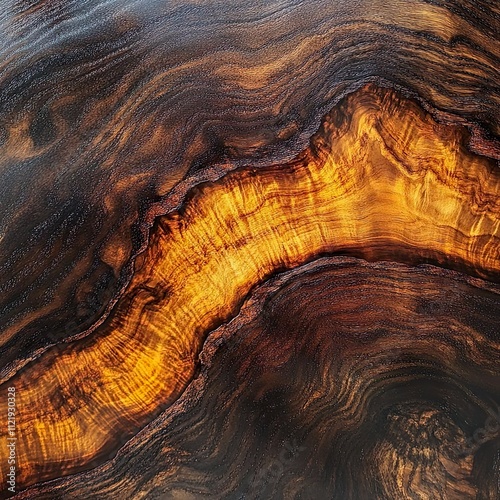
(161, 163)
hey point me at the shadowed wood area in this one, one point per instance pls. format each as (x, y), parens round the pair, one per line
(340, 379)
(162, 162)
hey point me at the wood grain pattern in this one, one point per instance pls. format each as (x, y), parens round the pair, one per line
(410, 190)
(159, 161)
(339, 379)
(105, 108)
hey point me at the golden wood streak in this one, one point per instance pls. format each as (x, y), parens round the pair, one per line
(381, 178)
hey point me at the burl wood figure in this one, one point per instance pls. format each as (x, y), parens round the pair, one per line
(250, 249)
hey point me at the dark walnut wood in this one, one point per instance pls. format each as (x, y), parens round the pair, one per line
(161, 165)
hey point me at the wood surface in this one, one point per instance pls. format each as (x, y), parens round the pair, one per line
(251, 250)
